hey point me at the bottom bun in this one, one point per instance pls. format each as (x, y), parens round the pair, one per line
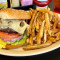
(9, 46)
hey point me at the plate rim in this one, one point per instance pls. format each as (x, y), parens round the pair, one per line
(46, 51)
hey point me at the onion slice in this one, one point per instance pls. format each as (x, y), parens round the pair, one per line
(20, 37)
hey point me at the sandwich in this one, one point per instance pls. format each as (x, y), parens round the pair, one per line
(13, 26)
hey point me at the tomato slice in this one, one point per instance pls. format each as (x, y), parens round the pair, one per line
(8, 35)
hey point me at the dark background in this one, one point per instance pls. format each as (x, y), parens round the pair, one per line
(53, 55)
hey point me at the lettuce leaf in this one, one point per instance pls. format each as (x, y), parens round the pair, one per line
(21, 41)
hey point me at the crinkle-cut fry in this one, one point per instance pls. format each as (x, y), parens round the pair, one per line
(48, 43)
(51, 39)
(31, 40)
(47, 24)
(45, 36)
(31, 22)
(40, 33)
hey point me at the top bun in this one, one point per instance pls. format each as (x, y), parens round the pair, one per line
(14, 14)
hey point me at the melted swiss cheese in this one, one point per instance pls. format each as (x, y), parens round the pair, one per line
(15, 25)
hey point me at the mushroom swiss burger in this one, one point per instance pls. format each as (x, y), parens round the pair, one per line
(13, 27)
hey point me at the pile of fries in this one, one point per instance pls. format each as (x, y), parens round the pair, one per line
(44, 29)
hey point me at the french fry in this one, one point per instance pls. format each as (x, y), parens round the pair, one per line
(27, 41)
(31, 10)
(50, 32)
(39, 16)
(48, 43)
(40, 33)
(31, 40)
(35, 42)
(33, 17)
(50, 17)
(55, 25)
(33, 26)
(31, 22)
(51, 39)
(43, 16)
(58, 25)
(56, 16)
(58, 37)
(47, 24)
(45, 10)
(37, 25)
(57, 34)
(36, 17)
(53, 31)
(38, 9)
(45, 36)
(33, 31)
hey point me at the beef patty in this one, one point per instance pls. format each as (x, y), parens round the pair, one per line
(8, 30)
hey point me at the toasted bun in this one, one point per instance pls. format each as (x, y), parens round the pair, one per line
(9, 46)
(14, 14)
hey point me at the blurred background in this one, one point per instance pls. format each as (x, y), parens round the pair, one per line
(26, 4)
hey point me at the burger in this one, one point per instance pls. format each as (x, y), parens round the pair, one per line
(13, 26)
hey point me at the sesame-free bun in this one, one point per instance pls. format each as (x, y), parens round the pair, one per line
(14, 14)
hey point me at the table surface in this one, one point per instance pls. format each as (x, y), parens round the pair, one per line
(53, 55)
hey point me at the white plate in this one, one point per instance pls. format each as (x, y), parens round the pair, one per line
(21, 52)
